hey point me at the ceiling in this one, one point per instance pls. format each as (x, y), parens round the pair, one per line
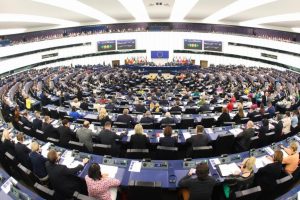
(30, 15)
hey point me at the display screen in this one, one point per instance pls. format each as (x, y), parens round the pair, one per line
(106, 45)
(212, 45)
(125, 44)
(159, 54)
(192, 44)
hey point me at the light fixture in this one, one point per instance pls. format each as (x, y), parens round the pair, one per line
(181, 8)
(137, 9)
(79, 7)
(272, 19)
(35, 19)
(234, 8)
(12, 31)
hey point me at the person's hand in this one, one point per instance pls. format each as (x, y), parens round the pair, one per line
(281, 146)
(105, 175)
(192, 171)
(85, 160)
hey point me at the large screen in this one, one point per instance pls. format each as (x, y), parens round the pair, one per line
(212, 45)
(107, 45)
(125, 44)
(192, 44)
(159, 54)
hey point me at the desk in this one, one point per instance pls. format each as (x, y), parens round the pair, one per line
(163, 69)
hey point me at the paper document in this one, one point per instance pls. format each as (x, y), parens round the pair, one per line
(67, 161)
(236, 131)
(186, 135)
(209, 130)
(45, 148)
(284, 153)
(135, 166)
(269, 150)
(74, 164)
(8, 184)
(110, 170)
(261, 162)
(214, 162)
(229, 169)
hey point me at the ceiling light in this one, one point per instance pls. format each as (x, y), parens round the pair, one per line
(234, 8)
(12, 31)
(79, 7)
(271, 19)
(35, 19)
(181, 8)
(137, 9)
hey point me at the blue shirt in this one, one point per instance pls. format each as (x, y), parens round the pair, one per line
(271, 111)
(75, 115)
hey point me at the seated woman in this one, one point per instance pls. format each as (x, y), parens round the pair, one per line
(292, 160)
(103, 116)
(224, 117)
(243, 180)
(263, 130)
(99, 184)
(239, 115)
(139, 140)
(168, 140)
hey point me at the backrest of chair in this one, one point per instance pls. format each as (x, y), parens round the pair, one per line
(166, 153)
(76, 145)
(207, 122)
(141, 189)
(78, 196)
(147, 125)
(202, 152)
(102, 149)
(44, 192)
(137, 153)
(224, 143)
(120, 124)
(249, 194)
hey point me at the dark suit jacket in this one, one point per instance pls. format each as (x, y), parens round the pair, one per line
(138, 141)
(26, 122)
(198, 140)
(147, 120)
(37, 124)
(244, 138)
(140, 108)
(251, 115)
(107, 137)
(278, 129)
(168, 141)
(49, 131)
(204, 107)
(22, 154)
(64, 180)
(9, 146)
(103, 120)
(199, 189)
(84, 106)
(175, 109)
(263, 130)
(65, 135)
(224, 117)
(267, 175)
(168, 120)
(125, 119)
(38, 164)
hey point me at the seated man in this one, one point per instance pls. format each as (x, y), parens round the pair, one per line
(243, 139)
(85, 135)
(48, 129)
(125, 118)
(38, 162)
(25, 120)
(65, 133)
(37, 122)
(22, 152)
(147, 118)
(107, 136)
(140, 107)
(168, 119)
(176, 108)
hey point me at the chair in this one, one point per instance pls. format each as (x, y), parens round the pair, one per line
(137, 153)
(62, 114)
(166, 153)
(143, 189)
(80, 121)
(28, 131)
(121, 124)
(202, 152)
(147, 125)
(257, 118)
(208, 122)
(223, 144)
(191, 111)
(218, 109)
(102, 149)
(270, 137)
(186, 123)
(69, 118)
(78, 196)
(77, 146)
(228, 123)
(40, 134)
(11, 161)
(44, 192)
(27, 175)
(255, 142)
(249, 194)
(53, 140)
(283, 185)
(45, 111)
(164, 125)
(244, 120)
(54, 114)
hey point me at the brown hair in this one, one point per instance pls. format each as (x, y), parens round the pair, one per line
(278, 156)
(20, 137)
(167, 131)
(52, 156)
(202, 171)
(199, 128)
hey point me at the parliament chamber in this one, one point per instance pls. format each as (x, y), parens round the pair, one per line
(149, 109)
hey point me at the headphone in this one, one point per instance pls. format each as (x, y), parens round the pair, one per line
(172, 179)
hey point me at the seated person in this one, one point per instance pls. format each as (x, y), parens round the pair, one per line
(37, 122)
(103, 116)
(64, 180)
(263, 130)
(99, 184)
(85, 135)
(243, 139)
(147, 118)
(65, 133)
(251, 113)
(48, 129)
(176, 108)
(139, 107)
(286, 122)
(200, 187)
(125, 118)
(200, 139)
(8, 144)
(107, 136)
(139, 140)
(230, 106)
(84, 105)
(110, 105)
(239, 115)
(292, 160)
(271, 109)
(243, 180)
(266, 176)
(191, 102)
(168, 140)
(38, 162)
(204, 107)
(168, 119)
(75, 103)
(24, 119)
(224, 117)
(164, 101)
(278, 127)
(74, 114)
(156, 108)
(294, 121)
(22, 152)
